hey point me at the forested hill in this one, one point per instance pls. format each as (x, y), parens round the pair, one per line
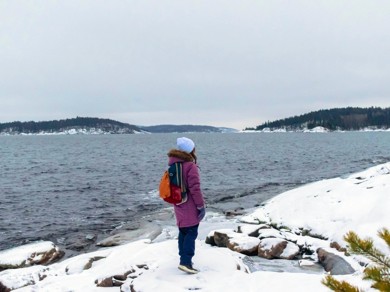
(350, 118)
(75, 125)
(185, 129)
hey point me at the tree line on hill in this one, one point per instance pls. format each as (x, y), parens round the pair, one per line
(106, 125)
(349, 118)
(101, 125)
(181, 129)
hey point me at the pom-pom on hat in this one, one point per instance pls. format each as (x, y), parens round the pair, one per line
(185, 144)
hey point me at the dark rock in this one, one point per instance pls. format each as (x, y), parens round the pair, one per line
(221, 238)
(91, 237)
(333, 263)
(51, 256)
(143, 266)
(107, 282)
(337, 246)
(236, 212)
(80, 242)
(4, 288)
(210, 240)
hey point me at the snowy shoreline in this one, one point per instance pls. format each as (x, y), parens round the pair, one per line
(316, 130)
(95, 131)
(312, 216)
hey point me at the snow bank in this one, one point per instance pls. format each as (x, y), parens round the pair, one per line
(330, 208)
(221, 270)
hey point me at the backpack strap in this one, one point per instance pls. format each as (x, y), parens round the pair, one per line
(180, 176)
(178, 180)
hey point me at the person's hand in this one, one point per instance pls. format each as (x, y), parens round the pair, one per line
(201, 213)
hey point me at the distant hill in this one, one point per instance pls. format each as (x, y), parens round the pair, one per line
(345, 119)
(69, 126)
(85, 125)
(185, 129)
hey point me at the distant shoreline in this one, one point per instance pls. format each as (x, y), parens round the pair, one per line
(86, 125)
(71, 132)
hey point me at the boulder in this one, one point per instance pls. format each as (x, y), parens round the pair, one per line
(80, 241)
(276, 248)
(38, 253)
(210, 238)
(238, 242)
(244, 244)
(150, 231)
(221, 237)
(333, 263)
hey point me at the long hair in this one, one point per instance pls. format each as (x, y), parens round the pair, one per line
(193, 155)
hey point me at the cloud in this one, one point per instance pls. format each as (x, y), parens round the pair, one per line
(237, 61)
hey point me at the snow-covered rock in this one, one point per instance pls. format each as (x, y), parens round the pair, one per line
(275, 248)
(244, 244)
(251, 229)
(238, 242)
(147, 232)
(39, 253)
(270, 233)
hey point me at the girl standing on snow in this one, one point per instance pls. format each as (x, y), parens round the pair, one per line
(188, 214)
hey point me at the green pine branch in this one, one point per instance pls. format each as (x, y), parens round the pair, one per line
(338, 286)
(384, 233)
(379, 273)
(366, 248)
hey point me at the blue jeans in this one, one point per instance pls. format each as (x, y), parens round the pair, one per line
(187, 236)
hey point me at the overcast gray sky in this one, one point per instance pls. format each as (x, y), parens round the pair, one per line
(221, 63)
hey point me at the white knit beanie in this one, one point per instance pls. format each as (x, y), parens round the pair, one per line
(185, 144)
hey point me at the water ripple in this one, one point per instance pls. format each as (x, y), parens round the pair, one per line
(58, 187)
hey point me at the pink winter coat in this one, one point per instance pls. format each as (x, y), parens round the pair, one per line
(187, 213)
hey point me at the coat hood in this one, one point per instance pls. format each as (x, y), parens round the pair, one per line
(181, 155)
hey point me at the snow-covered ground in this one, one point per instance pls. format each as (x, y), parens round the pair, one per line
(359, 202)
(327, 209)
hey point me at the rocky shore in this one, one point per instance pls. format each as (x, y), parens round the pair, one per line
(290, 243)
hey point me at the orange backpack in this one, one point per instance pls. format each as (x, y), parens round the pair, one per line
(172, 188)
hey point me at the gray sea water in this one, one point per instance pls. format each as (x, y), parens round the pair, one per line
(58, 187)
